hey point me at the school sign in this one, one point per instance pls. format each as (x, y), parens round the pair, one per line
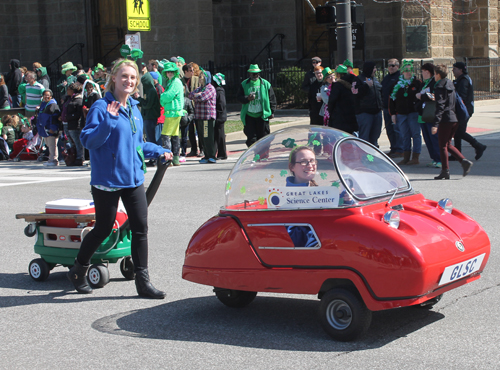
(138, 17)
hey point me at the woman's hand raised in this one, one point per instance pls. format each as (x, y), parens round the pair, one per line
(113, 108)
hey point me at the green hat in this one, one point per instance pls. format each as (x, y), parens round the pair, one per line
(348, 63)
(125, 50)
(407, 66)
(68, 67)
(160, 64)
(170, 67)
(136, 54)
(327, 72)
(341, 69)
(99, 66)
(220, 79)
(181, 59)
(254, 68)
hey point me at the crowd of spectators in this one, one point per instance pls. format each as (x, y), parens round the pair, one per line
(358, 103)
(180, 104)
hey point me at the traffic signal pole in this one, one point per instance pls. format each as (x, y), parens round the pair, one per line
(344, 30)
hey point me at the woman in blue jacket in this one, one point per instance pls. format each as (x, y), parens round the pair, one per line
(113, 135)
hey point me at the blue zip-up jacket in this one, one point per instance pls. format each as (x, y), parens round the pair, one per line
(115, 159)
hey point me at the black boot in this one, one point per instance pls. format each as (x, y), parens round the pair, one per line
(480, 148)
(145, 288)
(78, 276)
(444, 175)
(466, 165)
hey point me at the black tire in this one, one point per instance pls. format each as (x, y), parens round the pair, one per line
(343, 315)
(39, 270)
(30, 230)
(98, 275)
(235, 298)
(427, 305)
(127, 268)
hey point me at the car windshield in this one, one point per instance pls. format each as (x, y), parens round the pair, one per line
(311, 167)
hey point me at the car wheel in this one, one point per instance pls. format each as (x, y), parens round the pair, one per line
(235, 298)
(30, 230)
(98, 275)
(430, 303)
(127, 268)
(39, 270)
(343, 315)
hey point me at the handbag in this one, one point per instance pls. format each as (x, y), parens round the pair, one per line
(429, 112)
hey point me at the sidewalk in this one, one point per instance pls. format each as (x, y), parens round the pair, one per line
(484, 121)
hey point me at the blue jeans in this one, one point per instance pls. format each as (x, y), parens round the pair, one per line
(16, 101)
(431, 141)
(410, 130)
(370, 126)
(393, 133)
(153, 131)
(75, 135)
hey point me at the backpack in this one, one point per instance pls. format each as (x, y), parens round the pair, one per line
(461, 109)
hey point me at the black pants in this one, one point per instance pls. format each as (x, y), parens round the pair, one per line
(106, 205)
(196, 126)
(462, 134)
(255, 129)
(220, 140)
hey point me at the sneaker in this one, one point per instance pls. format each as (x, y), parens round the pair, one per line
(203, 161)
(432, 164)
(182, 159)
(200, 154)
(212, 160)
(51, 163)
(438, 165)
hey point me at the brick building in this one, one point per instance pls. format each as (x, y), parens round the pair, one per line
(227, 30)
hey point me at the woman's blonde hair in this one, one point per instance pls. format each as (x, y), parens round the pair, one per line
(119, 64)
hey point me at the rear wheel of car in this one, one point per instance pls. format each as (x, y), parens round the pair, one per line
(343, 315)
(235, 298)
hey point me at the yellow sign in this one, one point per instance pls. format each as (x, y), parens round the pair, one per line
(138, 18)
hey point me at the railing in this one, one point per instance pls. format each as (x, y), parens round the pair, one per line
(54, 69)
(103, 58)
(268, 47)
(314, 45)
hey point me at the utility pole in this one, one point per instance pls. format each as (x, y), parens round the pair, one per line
(344, 30)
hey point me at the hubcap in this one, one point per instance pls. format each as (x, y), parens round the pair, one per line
(35, 270)
(339, 314)
(94, 276)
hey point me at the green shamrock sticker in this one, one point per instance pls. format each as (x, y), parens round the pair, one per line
(336, 184)
(243, 190)
(311, 139)
(283, 173)
(289, 143)
(316, 143)
(370, 158)
(228, 186)
(262, 200)
(323, 175)
(345, 134)
(256, 158)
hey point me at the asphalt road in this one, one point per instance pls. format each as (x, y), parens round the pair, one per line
(47, 325)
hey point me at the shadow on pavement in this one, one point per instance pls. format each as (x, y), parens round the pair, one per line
(268, 323)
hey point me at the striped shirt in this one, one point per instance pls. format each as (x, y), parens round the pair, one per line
(33, 96)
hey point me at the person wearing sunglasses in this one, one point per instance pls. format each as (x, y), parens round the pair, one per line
(392, 130)
(310, 76)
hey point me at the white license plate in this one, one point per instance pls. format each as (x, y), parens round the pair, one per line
(462, 269)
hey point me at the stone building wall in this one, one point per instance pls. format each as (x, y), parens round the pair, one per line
(39, 31)
(243, 28)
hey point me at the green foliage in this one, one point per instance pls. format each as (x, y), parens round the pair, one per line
(289, 87)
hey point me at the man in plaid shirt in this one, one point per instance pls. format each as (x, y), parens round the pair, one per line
(205, 114)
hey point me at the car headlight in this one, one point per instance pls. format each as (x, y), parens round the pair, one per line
(392, 219)
(446, 204)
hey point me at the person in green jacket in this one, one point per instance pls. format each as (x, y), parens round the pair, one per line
(66, 79)
(259, 104)
(172, 101)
